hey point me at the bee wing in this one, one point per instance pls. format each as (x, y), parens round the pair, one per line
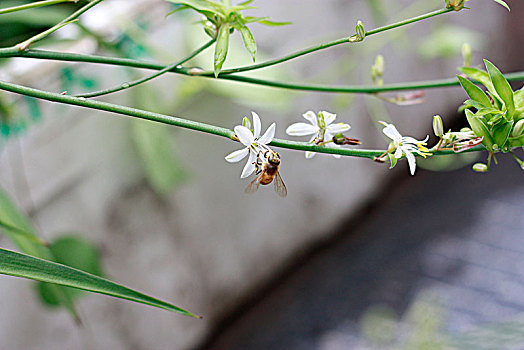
(253, 186)
(280, 188)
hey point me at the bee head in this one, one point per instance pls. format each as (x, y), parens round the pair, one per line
(273, 158)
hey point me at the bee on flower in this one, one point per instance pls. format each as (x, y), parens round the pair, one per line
(262, 160)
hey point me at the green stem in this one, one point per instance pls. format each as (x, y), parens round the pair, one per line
(325, 46)
(24, 45)
(188, 124)
(33, 5)
(168, 68)
(127, 62)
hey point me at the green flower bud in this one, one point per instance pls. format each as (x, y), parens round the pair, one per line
(518, 128)
(480, 167)
(377, 70)
(438, 126)
(379, 64)
(466, 54)
(361, 33)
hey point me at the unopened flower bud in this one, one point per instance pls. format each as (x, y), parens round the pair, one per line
(456, 5)
(210, 29)
(361, 33)
(480, 167)
(379, 63)
(340, 139)
(438, 126)
(377, 70)
(466, 54)
(518, 129)
(246, 122)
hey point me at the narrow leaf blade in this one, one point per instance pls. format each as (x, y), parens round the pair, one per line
(221, 48)
(502, 87)
(480, 129)
(14, 223)
(501, 132)
(249, 41)
(474, 92)
(21, 265)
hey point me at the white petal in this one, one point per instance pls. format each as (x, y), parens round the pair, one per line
(336, 155)
(268, 135)
(334, 129)
(412, 163)
(310, 155)
(409, 139)
(249, 167)
(398, 153)
(237, 155)
(256, 124)
(328, 117)
(244, 135)
(311, 117)
(301, 129)
(391, 132)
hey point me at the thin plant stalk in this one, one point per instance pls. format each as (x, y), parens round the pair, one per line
(33, 5)
(188, 124)
(24, 45)
(130, 84)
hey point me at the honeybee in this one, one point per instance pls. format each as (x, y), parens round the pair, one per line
(266, 166)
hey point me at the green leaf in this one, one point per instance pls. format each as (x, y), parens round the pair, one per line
(503, 3)
(478, 75)
(264, 20)
(270, 23)
(206, 8)
(74, 251)
(249, 41)
(516, 141)
(21, 265)
(496, 100)
(221, 47)
(502, 87)
(153, 143)
(474, 92)
(181, 8)
(480, 129)
(501, 132)
(15, 221)
(245, 3)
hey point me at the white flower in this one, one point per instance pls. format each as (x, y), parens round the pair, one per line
(406, 145)
(253, 142)
(320, 127)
